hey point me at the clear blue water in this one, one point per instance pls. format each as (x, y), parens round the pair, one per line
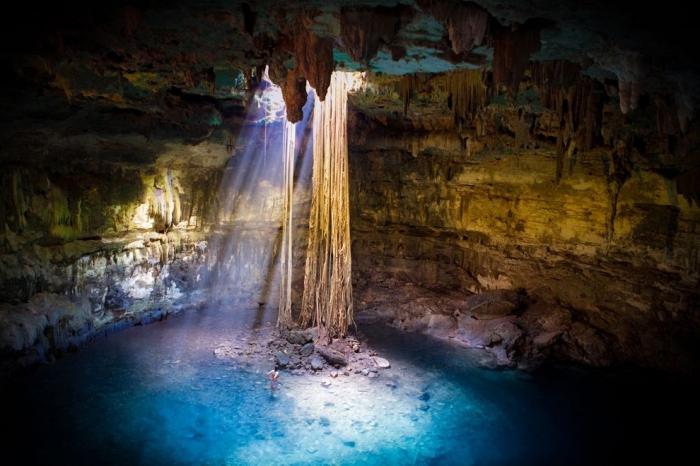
(157, 395)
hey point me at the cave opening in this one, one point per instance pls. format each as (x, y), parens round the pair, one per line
(349, 232)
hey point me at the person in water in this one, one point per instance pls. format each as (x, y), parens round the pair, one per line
(273, 375)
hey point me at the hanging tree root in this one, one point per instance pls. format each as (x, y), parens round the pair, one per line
(284, 315)
(327, 300)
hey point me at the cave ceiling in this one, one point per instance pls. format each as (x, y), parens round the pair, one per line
(184, 69)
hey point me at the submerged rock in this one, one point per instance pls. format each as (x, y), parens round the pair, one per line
(281, 359)
(381, 363)
(307, 350)
(316, 363)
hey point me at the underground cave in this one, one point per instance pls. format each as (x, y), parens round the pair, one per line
(333, 232)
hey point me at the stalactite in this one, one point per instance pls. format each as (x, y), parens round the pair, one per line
(364, 29)
(511, 52)
(327, 299)
(628, 92)
(313, 56)
(551, 77)
(684, 111)
(576, 100)
(284, 315)
(466, 23)
(673, 115)
(313, 62)
(294, 94)
(467, 93)
(619, 170)
(407, 86)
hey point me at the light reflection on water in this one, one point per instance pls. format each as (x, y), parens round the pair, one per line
(157, 395)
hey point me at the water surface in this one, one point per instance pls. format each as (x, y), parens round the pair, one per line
(157, 395)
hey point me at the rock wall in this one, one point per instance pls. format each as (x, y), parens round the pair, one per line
(609, 276)
(106, 230)
(91, 248)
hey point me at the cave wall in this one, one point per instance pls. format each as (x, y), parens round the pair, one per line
(622, 267)
(109, 229)
(90, 247)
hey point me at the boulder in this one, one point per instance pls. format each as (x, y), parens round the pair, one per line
(333, 357)
(381, 363)
(498, 336)
(298, 337)
(281, 359)
(307, 350)
(316, 363)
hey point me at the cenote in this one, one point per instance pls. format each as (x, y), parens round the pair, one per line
(337, 232)
(157, 395)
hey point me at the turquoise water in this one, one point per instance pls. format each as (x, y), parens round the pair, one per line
(157, 395)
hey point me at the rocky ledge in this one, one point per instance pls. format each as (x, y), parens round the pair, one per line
(298, 352)
(519, 330)
(94, 287)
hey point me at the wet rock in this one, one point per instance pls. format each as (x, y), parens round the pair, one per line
(333, 356)
(381, 363)
(307, 350)
(316, 363)
(441, 326)
(224, 352)
(498, 336)
(281, 359)
(334, 374)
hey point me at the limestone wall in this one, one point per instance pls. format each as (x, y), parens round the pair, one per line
(429, 212)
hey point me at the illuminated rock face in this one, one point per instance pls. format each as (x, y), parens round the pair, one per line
(84, 253)
(607, 279)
